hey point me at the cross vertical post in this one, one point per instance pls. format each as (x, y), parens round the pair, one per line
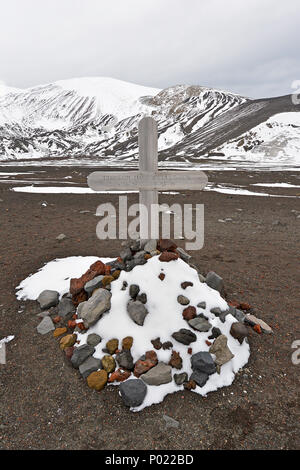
(148, 161)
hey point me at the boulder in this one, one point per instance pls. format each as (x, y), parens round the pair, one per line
(220, 349)
(97, 380)
(214, 281)
(125, 360)
(66, 308)
(94, 308)
(137, 311)
(45, 326)
(203, 362)
(90, 286)
(67, 341)
(180, 378)
(183, 300)
(91, 364)
(48, 298)
(200, 324)
(184, 336)
(133, 392)
(93, 339)
(239, 331)
(167, 256)
(80, 354)
(199, 377)
(108, 363)
(158, 375)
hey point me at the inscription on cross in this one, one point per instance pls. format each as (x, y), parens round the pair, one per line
(148, 179)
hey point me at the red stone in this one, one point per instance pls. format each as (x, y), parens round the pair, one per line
(186, 284)
(119, 375)
(69, 351)
(81, 326)
(189, 313)
(257, 328)
(96, 269)
(245, 306)
(234, 303)
(72, 324)
(80, 297)
(168, 256)
(143, 366)
(57, 319)
(190, 350)
(74, 317)
(165, 244)
(162, 276)
(208, 342)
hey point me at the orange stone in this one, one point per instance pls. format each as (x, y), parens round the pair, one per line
(57, 319)
(97, 380)
(67, 341)
(127, 342)
(257, 328)
(119, 375)
(59, 331)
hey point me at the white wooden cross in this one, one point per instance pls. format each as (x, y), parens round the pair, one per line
(148, 179)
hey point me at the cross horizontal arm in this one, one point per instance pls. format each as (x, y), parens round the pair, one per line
(160, 180)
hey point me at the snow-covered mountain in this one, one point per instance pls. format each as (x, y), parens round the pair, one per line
(98, 118)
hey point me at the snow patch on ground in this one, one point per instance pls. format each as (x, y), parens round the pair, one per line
(55, 275)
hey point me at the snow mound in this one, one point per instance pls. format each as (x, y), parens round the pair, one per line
(165, 318)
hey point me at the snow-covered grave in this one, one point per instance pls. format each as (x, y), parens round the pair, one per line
(148, 320)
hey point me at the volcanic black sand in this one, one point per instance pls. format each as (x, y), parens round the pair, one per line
(45, 404)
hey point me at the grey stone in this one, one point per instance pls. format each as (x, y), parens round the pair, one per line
(183, 254)
(80, 354)
(136, 245)
(142, 298)
(115, 265)
(65, 307)
(134, 262)
(134, 290)
(170, 422)
(180, 378)
(137, 311)
(184, 336)
(238, 314)
(93, 339)
(150, 246)
(139, 254)
(214, 281)
(48, 298)
(216, 311)
(61, 237)
(200, 324)
(126, 254)
(203, 362)
(239, 331)
(90, 286)
(125, 359)
(133, 392)
(215, 332)
(220, 349)
(94, 308)
(201, 278)
(201, 305)
(45, 326)
(158, 375)
(193, 266)
(252, 320)
(91, 364)
(183, 300)
(199, 377)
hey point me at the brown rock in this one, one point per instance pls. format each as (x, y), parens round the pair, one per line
(189, 350)
(96, 269)
(56, 319)
(97, 380)
(189, 313)
(127, 342)
(239, 331)
(72, 324)
(107, 280)
(175, 360)
(59, 331)
(67, 341)
(186, 284)
(156, 343)
(119, 375)
(167, 345)
(167, 256)
(245, 306)
(147, 256)
(116, 274)
(190, 385)
(165, 244)
(162, 276)
(112, 345)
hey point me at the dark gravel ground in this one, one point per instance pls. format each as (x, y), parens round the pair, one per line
(45, 404)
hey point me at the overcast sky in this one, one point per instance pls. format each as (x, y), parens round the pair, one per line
(245, 46)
